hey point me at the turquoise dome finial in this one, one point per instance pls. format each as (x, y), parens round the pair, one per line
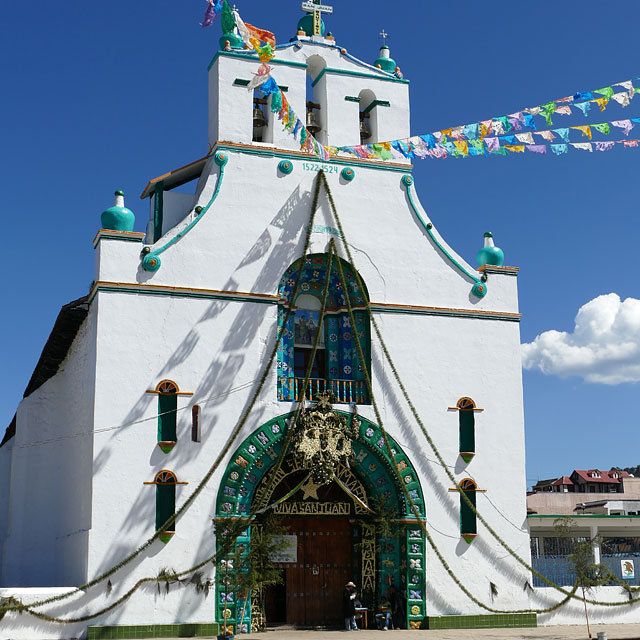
(385, 61)
(118, 217)
(490, 254)
(306, 24)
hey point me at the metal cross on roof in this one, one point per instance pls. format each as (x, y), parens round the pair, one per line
(317, 9)
(384, 35)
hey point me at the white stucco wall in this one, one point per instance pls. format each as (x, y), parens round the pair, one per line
(6, 453)
(573, 613)
(49, 516)
(446, 343)
(231, 106)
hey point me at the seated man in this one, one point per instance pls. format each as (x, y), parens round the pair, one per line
(383, 617)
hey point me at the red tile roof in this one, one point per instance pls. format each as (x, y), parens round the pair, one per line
(605, 476)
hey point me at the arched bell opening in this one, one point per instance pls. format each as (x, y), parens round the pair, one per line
(343, 525)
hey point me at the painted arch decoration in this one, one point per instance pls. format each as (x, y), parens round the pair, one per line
(379, 475)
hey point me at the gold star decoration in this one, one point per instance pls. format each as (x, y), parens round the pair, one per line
(310, 490)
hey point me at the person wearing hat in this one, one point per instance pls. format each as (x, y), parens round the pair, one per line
(349, 607)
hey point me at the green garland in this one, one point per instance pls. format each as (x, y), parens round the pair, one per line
(568, 595)
(17, 605)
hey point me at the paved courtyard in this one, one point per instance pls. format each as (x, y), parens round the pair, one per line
(613, 631)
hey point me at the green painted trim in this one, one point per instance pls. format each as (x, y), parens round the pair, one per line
(262, 151)
(497, 621)
(256, 455)
(352, 99)
(151, 261)
(586, 515)
(479, 288)
(183, 630)
(246, 56)
(179, 294)
(158, 210)
(123, 288)
(318, 77)
(239, 82)
(116, 236)
(453, 313)
(356, 74)
(377, 103)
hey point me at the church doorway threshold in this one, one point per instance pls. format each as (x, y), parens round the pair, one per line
(311, 593)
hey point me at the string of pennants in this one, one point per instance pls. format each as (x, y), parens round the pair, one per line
(507, 134)
(503, 135)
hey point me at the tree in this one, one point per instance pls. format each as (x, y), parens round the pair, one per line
(589, 574)
(244, 570)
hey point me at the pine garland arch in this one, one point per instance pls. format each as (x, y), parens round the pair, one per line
(391, 480)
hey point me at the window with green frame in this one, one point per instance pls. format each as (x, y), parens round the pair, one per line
(165, 499)
(466, 427)
(167, 411)
(468, 525)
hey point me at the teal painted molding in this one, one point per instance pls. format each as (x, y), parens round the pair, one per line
(104, 287)
(479, 288)
(377, 103)
(272, 153)
(151, 261)
(204, 295)
(158, 210)
(356, 74)
(116, 236)
(239, 82)
(352, 99)
(254, 58)
(451, 313)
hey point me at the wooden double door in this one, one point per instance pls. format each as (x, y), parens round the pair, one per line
(311, 594)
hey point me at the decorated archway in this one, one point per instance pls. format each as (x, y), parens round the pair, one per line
(371, 479)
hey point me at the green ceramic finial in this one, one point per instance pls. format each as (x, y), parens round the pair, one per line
(490, 254)
(118, 217)
(385, 61)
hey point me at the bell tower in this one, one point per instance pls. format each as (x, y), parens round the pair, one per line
(343, 100)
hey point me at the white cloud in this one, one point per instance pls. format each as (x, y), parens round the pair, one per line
(604, 346)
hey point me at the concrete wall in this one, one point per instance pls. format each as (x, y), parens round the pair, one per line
(550, 503)
(573, 612)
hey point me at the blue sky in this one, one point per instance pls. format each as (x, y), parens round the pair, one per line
(100, 96)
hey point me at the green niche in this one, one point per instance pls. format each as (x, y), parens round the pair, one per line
(118, 217)
(348, 174)
(285, 167)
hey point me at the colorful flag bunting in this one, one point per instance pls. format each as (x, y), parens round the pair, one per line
(213, 10)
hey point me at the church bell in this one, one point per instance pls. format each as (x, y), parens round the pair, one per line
(259, 121)
(365, 134)
(313, 125)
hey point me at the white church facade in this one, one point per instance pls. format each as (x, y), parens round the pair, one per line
(171, 385)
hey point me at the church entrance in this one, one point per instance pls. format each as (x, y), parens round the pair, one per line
(317, 560)
(329, 517)
(311, 591)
